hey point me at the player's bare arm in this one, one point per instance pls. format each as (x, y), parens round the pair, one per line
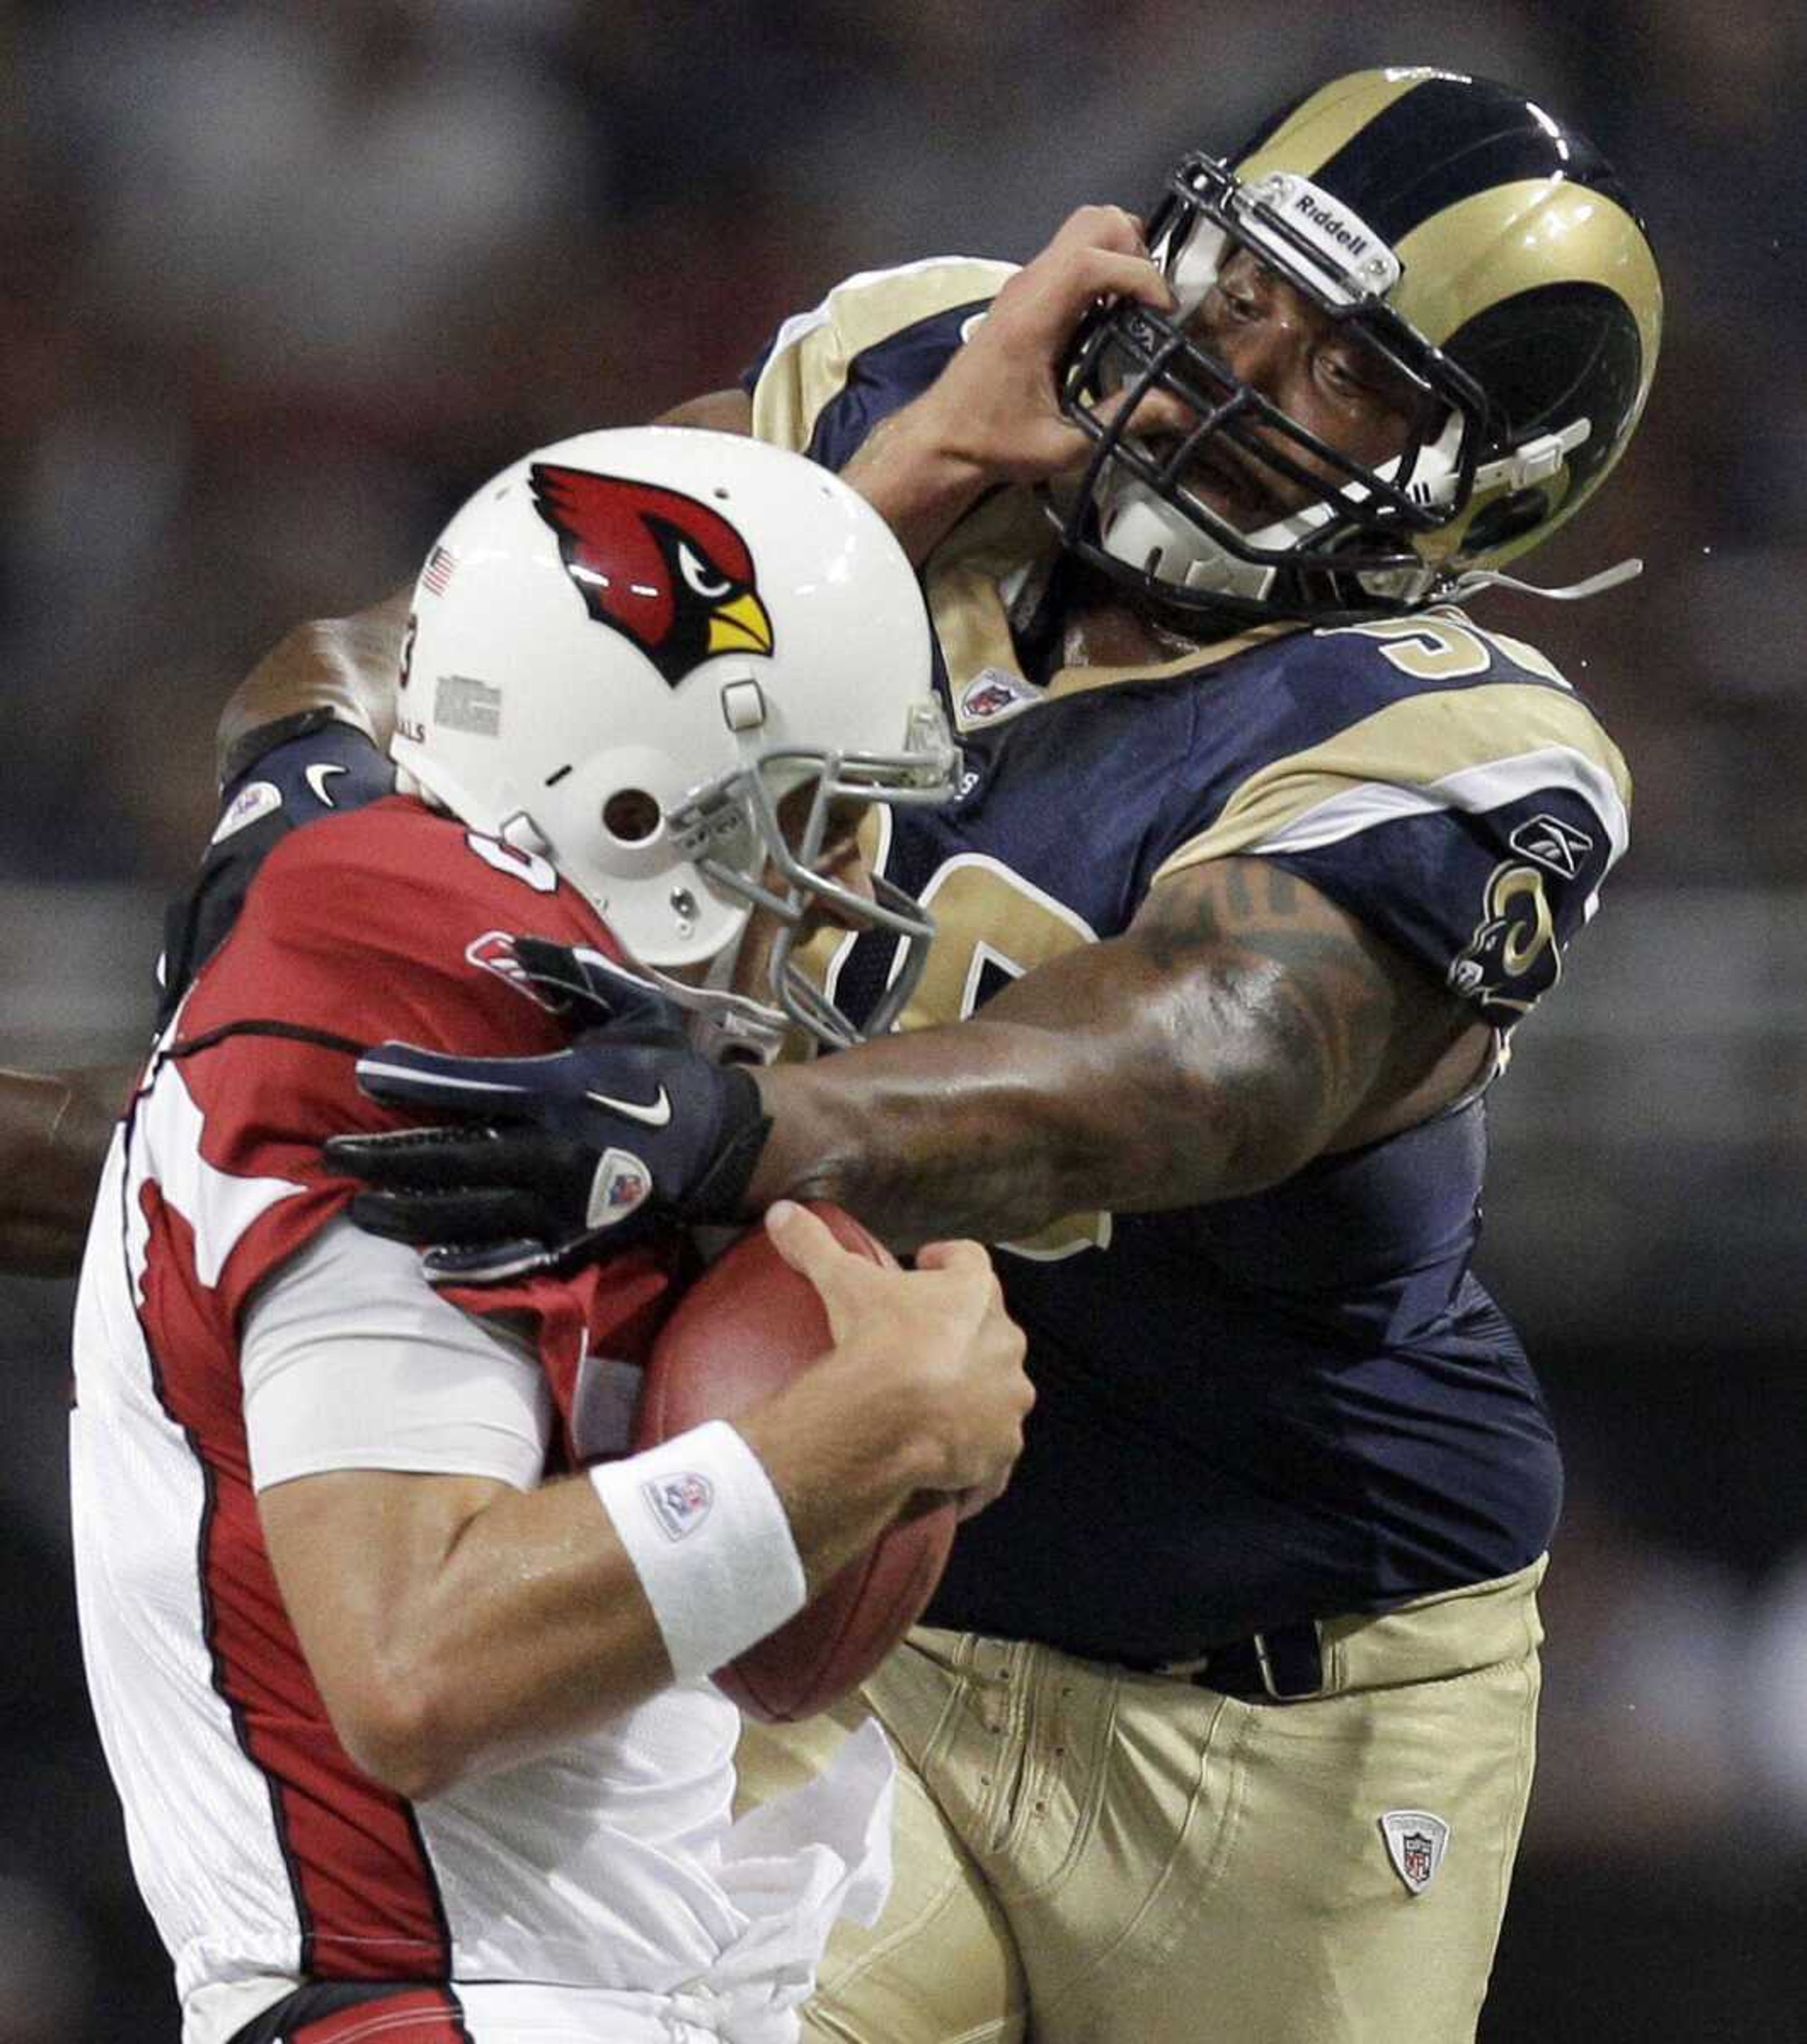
(346, 665)
(728, 411)
(1242, 1025)
(454, 1624)
(994, 414)
(54, 1131)
(993, 417)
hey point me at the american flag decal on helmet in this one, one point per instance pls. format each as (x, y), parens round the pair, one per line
(437, 571)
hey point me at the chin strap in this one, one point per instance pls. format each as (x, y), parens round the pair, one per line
(1477, 579)
(726, 1027)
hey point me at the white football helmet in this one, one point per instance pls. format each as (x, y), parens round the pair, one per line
(626, 652)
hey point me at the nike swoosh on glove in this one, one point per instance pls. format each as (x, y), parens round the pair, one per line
(547, 1163)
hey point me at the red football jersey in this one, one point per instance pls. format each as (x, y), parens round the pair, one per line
(388, 922)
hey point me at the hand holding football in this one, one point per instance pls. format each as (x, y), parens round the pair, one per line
(743, 1331)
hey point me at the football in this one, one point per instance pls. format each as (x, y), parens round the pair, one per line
(747, 1326)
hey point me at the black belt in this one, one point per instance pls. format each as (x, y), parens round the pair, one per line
(1282, 1664)
(315, 2000)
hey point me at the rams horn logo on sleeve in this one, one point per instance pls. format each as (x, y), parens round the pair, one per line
(1513, 945)
(656, 565)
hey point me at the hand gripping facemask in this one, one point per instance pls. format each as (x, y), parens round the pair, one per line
(1480, 250)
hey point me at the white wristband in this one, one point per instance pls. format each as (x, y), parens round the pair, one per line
(709, 1540)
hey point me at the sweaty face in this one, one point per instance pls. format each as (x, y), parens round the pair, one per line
(841, 858)
(1318, 370)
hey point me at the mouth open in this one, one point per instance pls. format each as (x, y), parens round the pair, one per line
(1231, 485)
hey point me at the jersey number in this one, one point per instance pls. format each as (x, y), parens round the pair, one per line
(527, 867)
(1431, 649)
(991, 926)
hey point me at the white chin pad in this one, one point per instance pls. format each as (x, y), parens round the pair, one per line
(1138, 528)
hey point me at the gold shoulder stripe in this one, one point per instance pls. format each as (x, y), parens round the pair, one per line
(991, 544)
(1322, 125)
(1074, 681)
(1410, 746)
(810, 360)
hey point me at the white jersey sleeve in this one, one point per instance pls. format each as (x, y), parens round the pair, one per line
(351, 1361)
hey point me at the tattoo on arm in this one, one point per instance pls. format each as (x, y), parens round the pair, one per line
(1243, 1025)
(1291, 1000)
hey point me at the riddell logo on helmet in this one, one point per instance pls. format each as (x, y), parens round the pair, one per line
(1329, 221)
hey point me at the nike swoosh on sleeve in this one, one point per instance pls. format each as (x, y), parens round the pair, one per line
(315, 777)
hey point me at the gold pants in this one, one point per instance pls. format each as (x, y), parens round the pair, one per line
(1087, 1856)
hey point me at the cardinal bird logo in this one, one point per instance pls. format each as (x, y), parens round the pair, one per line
(656, 565)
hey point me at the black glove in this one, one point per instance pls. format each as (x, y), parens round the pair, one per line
(545, 1163)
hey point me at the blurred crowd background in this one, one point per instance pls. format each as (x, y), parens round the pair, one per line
(280, 283)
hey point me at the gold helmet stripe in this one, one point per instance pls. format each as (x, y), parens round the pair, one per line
(1519, 237)
(1333, 116)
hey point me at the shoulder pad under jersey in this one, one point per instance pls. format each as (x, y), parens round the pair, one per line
(310, 766)
(828, 376)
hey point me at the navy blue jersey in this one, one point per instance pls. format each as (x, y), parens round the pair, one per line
(1294, 1403)
(1302, 1403)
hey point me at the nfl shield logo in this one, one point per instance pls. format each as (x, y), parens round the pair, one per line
(621, 1187)
(986, 698)
(992, 693)
(1416, 1843)
(680, 1502)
